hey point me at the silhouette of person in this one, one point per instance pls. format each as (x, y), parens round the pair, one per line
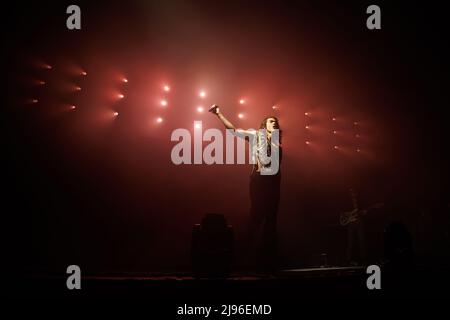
(264, 190)
(356, 245)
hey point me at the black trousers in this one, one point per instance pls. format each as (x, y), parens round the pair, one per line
(262, 225)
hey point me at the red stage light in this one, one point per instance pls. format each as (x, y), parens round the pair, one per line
(336, 147)
(241, 116)
(47, 66)
(334, 119)
(202, 94)
(334, 132)
(307, 114)
(200, 109)
(159, 120)
(84, 73)
(116, 114)
(163, 103)
(274, 107)
(307, 142)
(125, 80)
(72, 107)
(197, 125)
(357, 135)
(78, 88)
(35, 100)
(355, 123)
(41, 82)
(120, 96)
(241, 101)
(358, 150)
(166, 88)
(306, 127)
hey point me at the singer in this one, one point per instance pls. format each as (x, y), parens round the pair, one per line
(264, 192)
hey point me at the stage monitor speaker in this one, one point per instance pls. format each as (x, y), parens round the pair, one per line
(212, 247)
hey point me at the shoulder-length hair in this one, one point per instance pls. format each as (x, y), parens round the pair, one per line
(264, 125)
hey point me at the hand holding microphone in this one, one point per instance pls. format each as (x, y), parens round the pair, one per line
(214, 109)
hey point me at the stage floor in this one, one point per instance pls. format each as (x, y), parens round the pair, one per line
(286, 285)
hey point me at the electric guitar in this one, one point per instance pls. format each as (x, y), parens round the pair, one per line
(354, 215)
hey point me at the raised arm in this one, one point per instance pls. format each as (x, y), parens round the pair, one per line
(215, 110)
(244, 134)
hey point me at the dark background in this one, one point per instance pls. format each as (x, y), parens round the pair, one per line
(86, 188)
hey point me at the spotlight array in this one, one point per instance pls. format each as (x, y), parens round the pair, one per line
(200, 109)
(344, 132)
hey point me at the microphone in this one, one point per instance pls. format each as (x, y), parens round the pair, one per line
(213, 108)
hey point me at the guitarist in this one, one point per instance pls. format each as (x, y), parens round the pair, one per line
(356, 242)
